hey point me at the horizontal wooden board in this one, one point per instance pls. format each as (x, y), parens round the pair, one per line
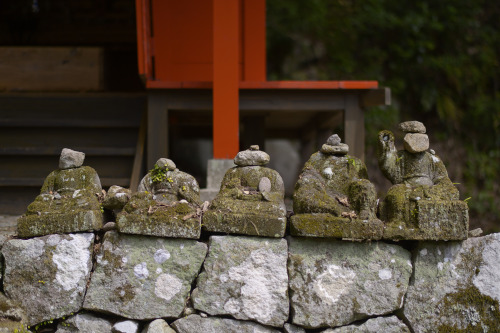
(51, 68)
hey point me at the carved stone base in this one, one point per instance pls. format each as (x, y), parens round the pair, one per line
(265, 225)
(432, 220)
(165, 222)
(59, 223)
(327, 225)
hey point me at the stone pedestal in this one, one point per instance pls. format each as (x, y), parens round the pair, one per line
(432, 220)
(327, 225)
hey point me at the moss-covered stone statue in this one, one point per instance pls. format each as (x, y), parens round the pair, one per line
(333, 197)
(250, 200)
(423, 203)
(68, 201)
(167, 204)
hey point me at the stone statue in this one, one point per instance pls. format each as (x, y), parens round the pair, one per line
(333, 197)
(250, 200)
(167, 204)
(423, 203)
(68, 201)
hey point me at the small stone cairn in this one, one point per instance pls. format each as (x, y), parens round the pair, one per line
(333, 196)
(68, 200)
(167, 204)
(250, 200)
(155, 272)
(423, 204)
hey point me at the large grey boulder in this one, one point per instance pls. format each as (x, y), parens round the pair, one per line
(375, 325)
(245, 277)
(195, 323)
(456, 286)
(143, 278)
(335, 283)
(48, 275)
(84, 322)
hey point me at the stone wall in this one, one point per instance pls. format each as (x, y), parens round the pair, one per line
(112, 282)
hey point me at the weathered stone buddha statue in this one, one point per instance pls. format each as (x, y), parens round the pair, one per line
(250, 200)
(68, 201)
(333, 197)
(423, 203)
(167, 204)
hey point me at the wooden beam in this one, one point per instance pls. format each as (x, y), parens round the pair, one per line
(376, 97)
(354, 127)
(157, 141)
(137, 168)
(226, 78)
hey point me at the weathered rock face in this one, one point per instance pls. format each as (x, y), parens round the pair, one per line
(67, 203)
(334, 283)
(167, 204)
(456, 286)
(245, 277)
(84, 322)
(241, 208)
(381, 324)
(144, 278)
(195, 323)
(48, 275)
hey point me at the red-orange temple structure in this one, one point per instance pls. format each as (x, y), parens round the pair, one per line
(211, 55)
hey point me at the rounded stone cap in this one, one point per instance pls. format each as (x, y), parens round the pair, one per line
(334, 147)
(412, 127)
(166, 163)
(416, 142)
(341, 149)
(71, 159)
(333, 140)
(251, 157)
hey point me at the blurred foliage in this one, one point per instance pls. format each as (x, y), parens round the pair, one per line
(440, 59)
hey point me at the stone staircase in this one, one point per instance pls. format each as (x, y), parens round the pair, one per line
(34, 127)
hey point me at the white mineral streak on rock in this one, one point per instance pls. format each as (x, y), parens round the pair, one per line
(245, 277)
(141, 270)
(257, 274)
(167, 286)
(71, 259)
(487, 281)
(385, 274)
(334, 283)
(328, 173)
(53, 240)
(161, 256)
(128, 326)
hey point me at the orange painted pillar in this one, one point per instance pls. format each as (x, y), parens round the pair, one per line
(226, 15)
